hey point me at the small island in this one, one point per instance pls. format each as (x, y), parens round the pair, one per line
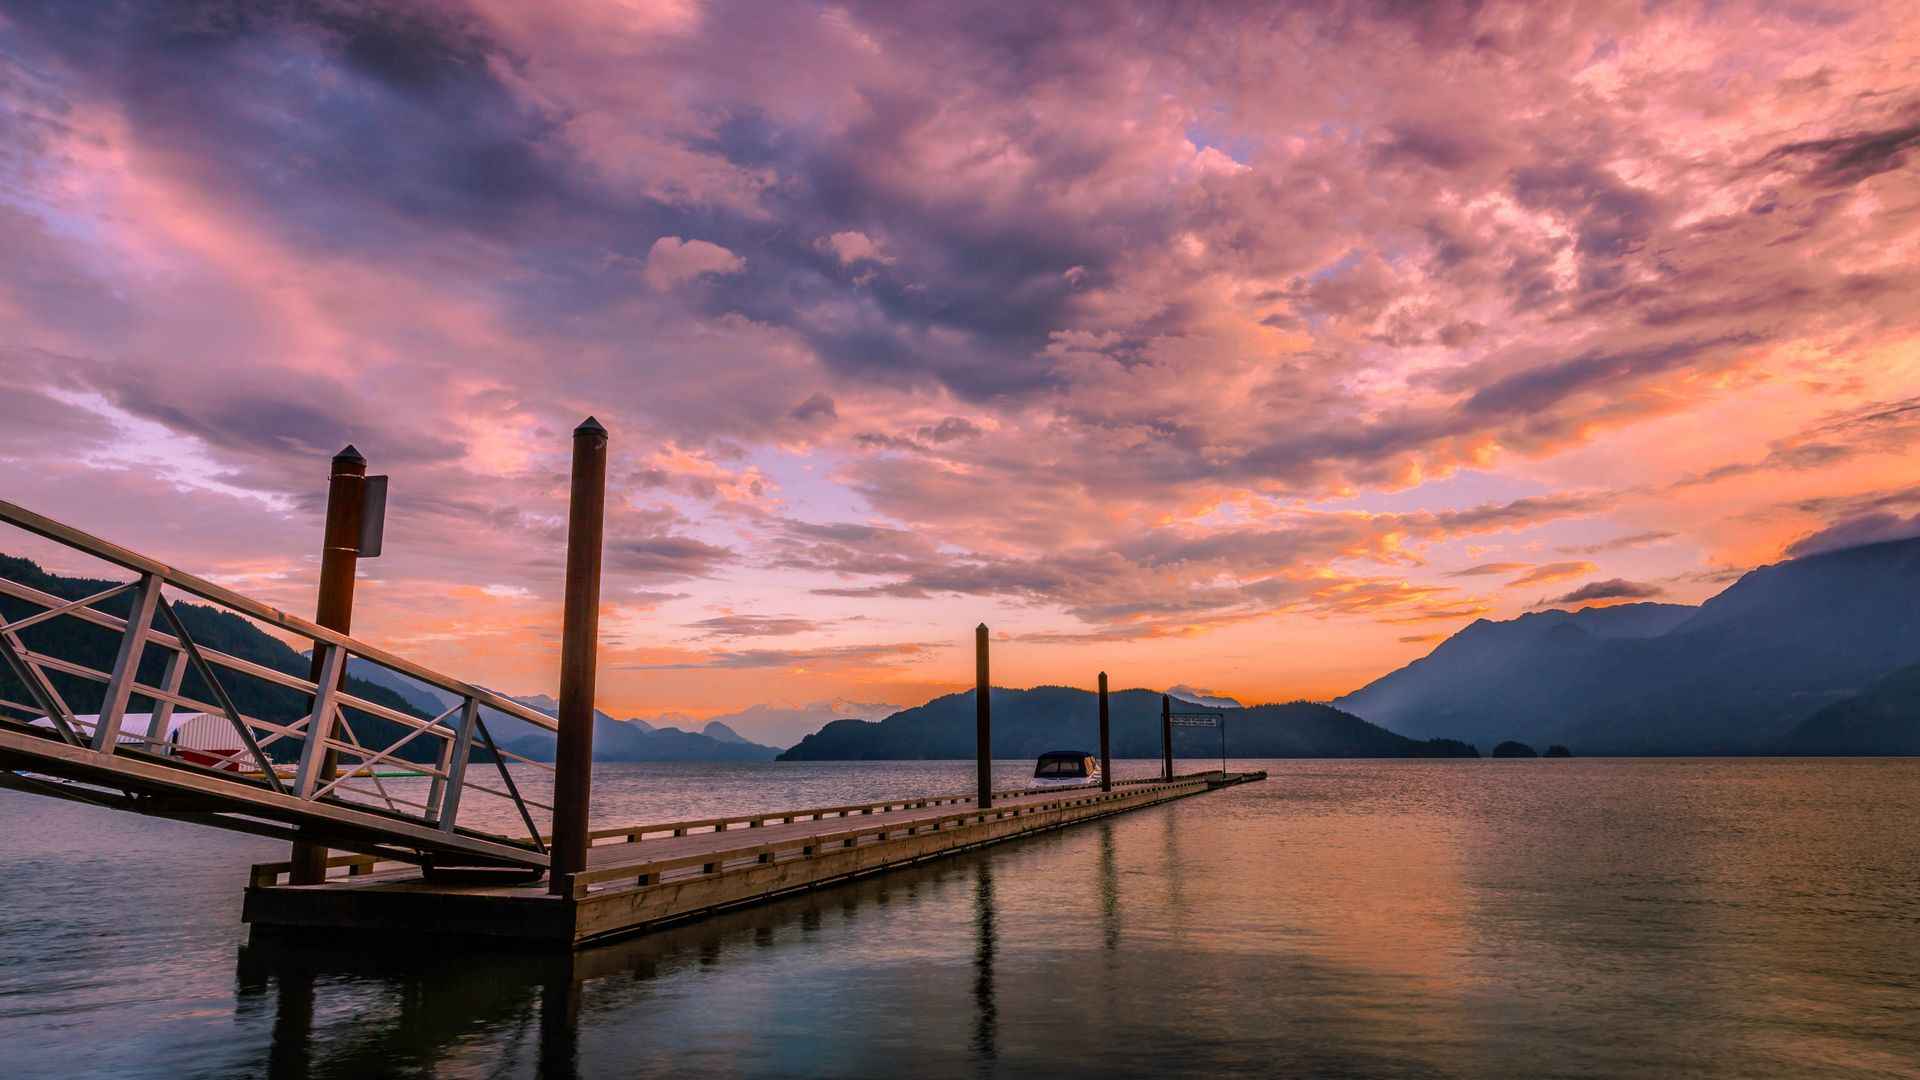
(1556, 750)
(1511, 748)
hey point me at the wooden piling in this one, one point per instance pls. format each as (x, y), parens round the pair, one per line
(1166, 736)
(579, 640)
(983, 717)
(1106, 755)
(339, 557)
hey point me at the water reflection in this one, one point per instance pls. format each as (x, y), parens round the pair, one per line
(292, 1045)
(389, 1005)
(1109, 880)
(391, 1008)
(983, 1007)
(1345, 919)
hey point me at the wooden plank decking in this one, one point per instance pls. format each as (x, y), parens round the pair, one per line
(644, 875)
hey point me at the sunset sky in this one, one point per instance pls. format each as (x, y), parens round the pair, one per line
(1254, 349)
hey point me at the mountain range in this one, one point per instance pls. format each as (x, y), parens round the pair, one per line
(1815, 655)
(1885, 719)
(1752, 670)
(613, 740)
(1027, 723)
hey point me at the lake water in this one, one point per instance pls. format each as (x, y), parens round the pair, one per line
(1721, 918)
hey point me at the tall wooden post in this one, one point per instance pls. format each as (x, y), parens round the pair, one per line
(339, 556)
(579, 640)
(1166, 737)
(1106, 756)
(983, 717)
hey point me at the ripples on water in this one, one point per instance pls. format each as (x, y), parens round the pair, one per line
(1513, 918)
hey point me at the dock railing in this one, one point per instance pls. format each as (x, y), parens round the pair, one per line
(464, 759)
(650, 872)
(275, 873)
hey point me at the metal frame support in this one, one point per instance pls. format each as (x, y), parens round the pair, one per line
(315, 751)
(126, 664)
(220, 695)
(447, 807)
(513, 792)
(44, 693)
(170, 680)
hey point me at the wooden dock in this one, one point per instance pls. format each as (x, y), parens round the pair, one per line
(642, 876)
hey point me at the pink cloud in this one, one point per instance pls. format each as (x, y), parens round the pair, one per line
(672, 261)
(893, 309)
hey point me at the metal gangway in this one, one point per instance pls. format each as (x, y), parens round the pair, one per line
(330, 792)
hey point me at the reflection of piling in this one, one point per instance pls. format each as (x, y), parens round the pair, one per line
(986, 1014)
(1109, 889)
(983, 718)
(1166, 737)
(339, 556)
(579, 637)
(560, 1027)
(1106, 755)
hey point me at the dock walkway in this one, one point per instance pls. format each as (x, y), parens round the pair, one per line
(644, 875)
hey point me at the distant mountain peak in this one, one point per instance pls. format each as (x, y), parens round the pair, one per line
(1198, 696)
(1732, 675)
(717, 730)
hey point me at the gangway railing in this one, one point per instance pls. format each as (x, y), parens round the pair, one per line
(330, 789)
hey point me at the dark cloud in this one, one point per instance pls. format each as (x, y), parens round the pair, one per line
(1871, 528)
(817, 407)
(1613, 218)
(1845, 160)
(1487, 569)
(1619, 543)
(650, 598)
(773, 658)
(953, 427)
(1611, 589)
(1542, 387)
(754, 625)
(1878, 427)
(1551, 572)
(349, 107)
(665, 557)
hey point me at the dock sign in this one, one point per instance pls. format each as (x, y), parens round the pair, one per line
(1203, 719)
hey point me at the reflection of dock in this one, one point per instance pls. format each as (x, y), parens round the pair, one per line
(642, 876)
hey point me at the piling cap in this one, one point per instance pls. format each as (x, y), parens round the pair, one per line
(350, 454)
(590, 426)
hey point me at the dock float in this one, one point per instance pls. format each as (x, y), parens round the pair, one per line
(644, 876)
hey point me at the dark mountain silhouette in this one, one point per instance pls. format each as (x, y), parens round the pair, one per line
(623, 740)
(1027, 723)
(1883, 720)
(1733, 676)
(717, 730)
(1514, 749)
(613, 740)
